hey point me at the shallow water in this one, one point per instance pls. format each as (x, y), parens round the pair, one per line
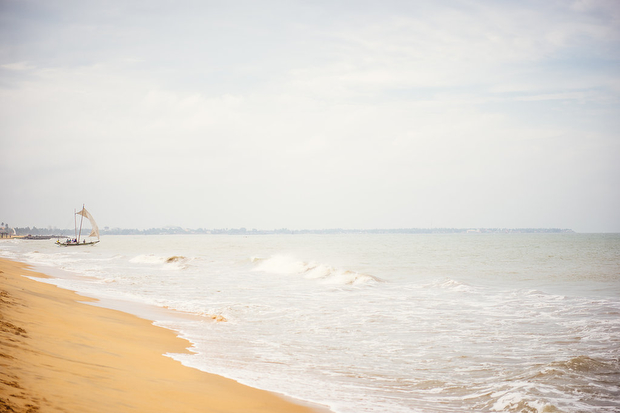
(378, 323)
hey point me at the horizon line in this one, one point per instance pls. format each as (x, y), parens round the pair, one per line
(243, 230)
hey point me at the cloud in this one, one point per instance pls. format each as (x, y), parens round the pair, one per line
(315, 115)
(18, 66)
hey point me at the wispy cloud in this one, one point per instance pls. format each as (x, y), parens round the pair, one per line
(18, 66)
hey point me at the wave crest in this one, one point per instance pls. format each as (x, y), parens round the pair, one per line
(326, 274)
(452, 285)
(152, 259)
(517, 402)
(581, 364)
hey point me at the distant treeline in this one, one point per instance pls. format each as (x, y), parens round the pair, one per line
(43, 231)
(244, 231)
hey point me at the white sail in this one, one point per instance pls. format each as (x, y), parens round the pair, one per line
(95, 228)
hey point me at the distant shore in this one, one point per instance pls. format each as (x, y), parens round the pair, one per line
(54, 233)
(59, 354)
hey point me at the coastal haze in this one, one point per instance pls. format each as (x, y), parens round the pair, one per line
(354, 115)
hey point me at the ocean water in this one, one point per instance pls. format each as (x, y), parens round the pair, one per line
(375, 323)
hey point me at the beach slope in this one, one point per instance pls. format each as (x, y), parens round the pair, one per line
(58, 354)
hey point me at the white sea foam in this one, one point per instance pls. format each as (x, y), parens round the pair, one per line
(326, 274)
(453, 285)
(306, 318)
(148, 259)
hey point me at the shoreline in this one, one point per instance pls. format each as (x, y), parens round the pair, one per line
(59, 353)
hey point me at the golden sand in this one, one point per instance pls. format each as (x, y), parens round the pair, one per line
(58, 354)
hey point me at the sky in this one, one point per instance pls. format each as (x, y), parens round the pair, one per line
(314, 114)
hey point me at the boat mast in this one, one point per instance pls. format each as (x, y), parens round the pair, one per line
(81, 220)
(75, 223)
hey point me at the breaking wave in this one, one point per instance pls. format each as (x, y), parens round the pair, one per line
(583, 364)
(152, 259)
(326, 274)
(570, 385)
(518, 402)
(451, 285)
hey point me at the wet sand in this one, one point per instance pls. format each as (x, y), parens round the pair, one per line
(58, 354)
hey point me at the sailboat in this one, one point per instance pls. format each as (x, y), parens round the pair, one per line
(78, 240)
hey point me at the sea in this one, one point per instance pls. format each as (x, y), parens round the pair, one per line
(388, 323)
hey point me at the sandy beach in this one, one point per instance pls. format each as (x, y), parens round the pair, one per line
(58, 353)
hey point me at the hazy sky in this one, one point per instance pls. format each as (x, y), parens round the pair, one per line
(314, 114)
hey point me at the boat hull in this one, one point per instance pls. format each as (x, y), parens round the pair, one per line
(75, 244)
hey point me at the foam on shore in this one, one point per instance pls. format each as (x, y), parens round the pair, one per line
(58, 353)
